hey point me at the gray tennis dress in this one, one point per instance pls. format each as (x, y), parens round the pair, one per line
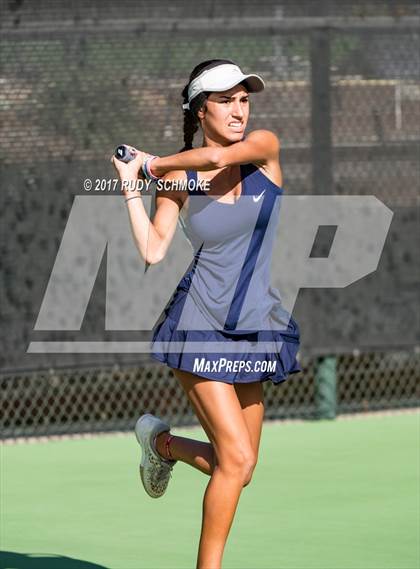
(224, 321)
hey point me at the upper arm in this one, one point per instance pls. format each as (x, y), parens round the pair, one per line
(168, 206)
(259, 146)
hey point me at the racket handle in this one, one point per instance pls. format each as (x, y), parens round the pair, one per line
(123, 153)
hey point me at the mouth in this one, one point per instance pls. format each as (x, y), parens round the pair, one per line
(235, 125)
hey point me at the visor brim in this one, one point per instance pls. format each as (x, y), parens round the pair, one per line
(253, 83)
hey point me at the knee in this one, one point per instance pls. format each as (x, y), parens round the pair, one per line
(239, 464)
(249, 473)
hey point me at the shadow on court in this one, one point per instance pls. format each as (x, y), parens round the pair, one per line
(12, 560)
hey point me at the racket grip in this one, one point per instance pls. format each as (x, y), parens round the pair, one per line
(123, 153)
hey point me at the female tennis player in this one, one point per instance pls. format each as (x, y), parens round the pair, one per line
(224, 300)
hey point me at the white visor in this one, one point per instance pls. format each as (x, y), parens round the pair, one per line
(222, 78)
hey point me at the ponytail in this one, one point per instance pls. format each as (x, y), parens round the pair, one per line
(190, 128)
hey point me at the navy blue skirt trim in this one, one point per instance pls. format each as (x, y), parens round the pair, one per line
(242, 367)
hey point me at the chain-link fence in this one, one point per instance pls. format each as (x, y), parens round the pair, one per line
(58, 401)
(343, 94)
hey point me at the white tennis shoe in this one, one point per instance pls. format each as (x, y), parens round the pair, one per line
(155, 471)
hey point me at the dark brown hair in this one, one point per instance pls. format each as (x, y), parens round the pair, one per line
(191, 120)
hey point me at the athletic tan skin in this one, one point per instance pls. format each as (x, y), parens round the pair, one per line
(231, 415)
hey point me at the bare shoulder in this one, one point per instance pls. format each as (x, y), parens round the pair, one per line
(271, 166)
(177, 193)
(265, 137)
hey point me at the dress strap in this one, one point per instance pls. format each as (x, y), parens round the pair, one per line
(192, 181)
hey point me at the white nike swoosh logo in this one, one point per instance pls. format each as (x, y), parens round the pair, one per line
(257, 198)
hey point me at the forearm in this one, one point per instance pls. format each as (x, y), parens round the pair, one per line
(146, 238)
(199, 159)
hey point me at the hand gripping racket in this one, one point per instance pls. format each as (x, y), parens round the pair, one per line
(124, 153)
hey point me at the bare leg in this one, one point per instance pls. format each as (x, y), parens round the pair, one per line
(219, 506)
(198, 454)
(218, 408)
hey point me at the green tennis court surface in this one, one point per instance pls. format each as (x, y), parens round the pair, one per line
(325, 495)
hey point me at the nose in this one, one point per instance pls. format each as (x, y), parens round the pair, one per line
(237, 110)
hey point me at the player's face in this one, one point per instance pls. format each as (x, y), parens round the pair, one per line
(226, 114)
